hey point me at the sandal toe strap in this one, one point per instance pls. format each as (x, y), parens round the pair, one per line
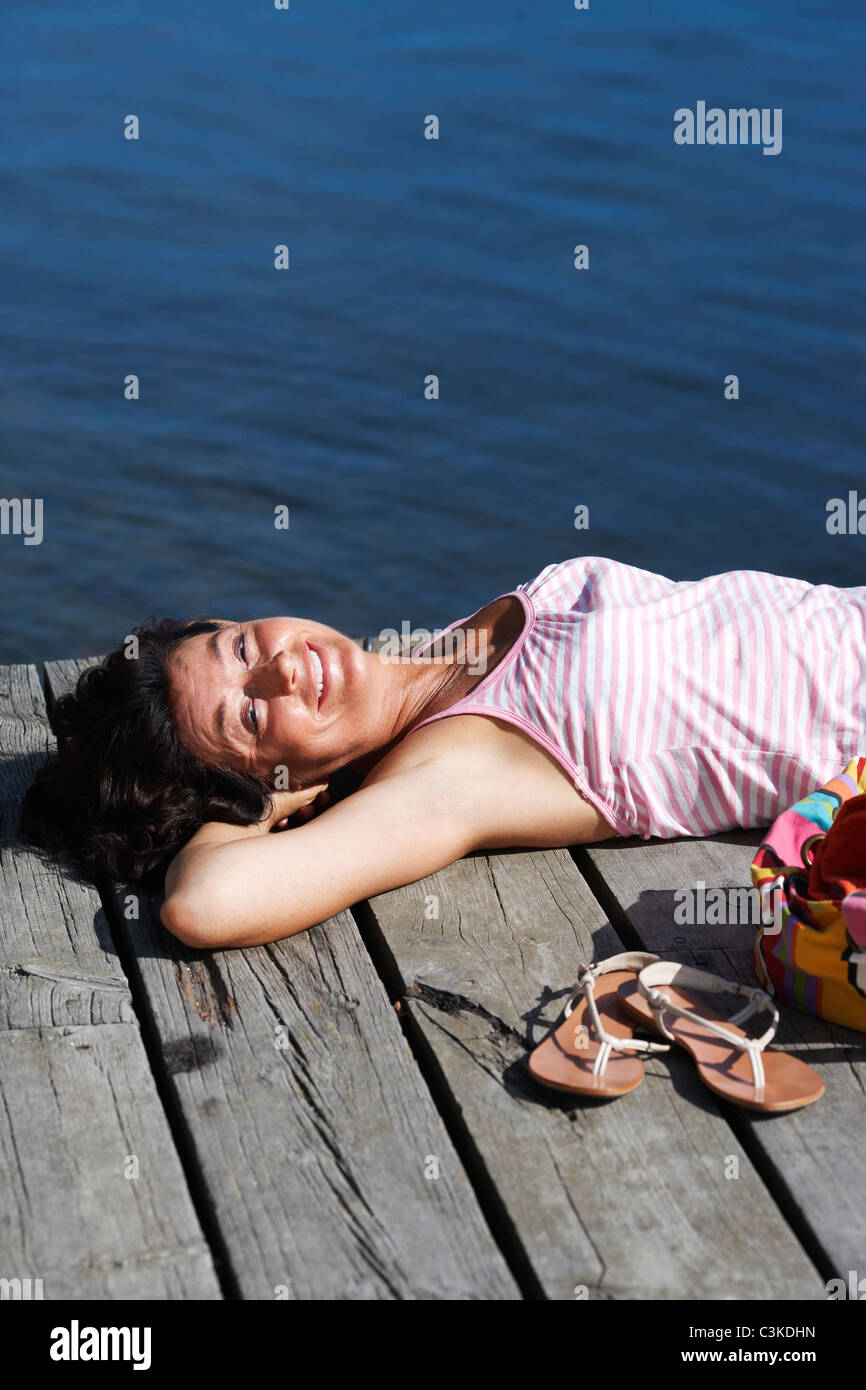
(608, 1042)
(671, 972)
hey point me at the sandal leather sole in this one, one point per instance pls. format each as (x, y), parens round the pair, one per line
(790, 1083)
(565, 1059)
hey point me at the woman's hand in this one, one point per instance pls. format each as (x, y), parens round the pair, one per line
(295, 807)
(287, 808)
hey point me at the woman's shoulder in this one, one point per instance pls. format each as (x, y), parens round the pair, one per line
(503, 788)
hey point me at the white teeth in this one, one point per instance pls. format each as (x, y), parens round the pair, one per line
(320, 678)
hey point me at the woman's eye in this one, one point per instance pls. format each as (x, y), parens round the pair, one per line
(252, 719)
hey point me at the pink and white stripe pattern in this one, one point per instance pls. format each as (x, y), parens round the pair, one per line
(684, 708)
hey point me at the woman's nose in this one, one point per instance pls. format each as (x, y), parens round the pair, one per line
(279, 676)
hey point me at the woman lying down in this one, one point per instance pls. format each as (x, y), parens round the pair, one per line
(612, 702)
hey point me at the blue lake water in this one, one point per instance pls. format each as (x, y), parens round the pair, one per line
(410, 257)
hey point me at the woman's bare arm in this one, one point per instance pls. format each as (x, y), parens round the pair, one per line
(240, 886)
(462, 784)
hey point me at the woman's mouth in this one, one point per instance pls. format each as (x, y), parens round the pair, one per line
(319, 680)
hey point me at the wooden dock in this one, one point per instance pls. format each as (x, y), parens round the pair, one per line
(347, 1114)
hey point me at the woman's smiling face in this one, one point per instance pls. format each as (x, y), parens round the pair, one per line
(258, 696)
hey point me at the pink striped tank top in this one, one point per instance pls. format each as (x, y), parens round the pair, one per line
(683, 708)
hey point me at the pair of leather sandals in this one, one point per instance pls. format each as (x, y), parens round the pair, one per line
(594, 1051)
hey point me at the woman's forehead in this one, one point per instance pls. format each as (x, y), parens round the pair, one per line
(194, 676)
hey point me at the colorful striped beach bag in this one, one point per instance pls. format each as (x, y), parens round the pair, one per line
(810, 872)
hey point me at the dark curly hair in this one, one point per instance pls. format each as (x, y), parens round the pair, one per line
(121, 795)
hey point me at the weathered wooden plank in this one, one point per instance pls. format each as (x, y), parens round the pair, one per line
(311, 1123)
(812, 1158)
(309, 1119)
(655, 878)
(628, 1199)
(94, 1201)
(57, 960)
(77, 1099)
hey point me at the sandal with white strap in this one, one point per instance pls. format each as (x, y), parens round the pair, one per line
(739, 1068)
(589, 1052)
